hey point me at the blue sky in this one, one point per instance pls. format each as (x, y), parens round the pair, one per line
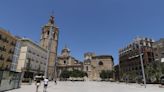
(100, 26)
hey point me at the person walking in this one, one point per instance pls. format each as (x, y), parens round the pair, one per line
(37, 84)
(45, 84)
(55, 82)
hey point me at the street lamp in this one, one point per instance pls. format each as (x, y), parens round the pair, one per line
(141, 59)
(48, 50)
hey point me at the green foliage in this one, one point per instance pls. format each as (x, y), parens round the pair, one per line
(65, 74)
(131, 76)
(162, 68)
(74, 73)
(106, 74)
(153, 72)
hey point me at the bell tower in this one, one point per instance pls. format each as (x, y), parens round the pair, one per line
(50, 42)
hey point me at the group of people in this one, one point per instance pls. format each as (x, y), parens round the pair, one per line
(38, 82)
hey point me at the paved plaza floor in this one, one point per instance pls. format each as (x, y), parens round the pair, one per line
(91, 87)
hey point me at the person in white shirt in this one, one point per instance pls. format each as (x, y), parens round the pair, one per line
(45, 83)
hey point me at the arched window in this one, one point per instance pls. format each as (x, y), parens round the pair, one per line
(48, 32)
(87, 68)
(100, 63)
(64, 62)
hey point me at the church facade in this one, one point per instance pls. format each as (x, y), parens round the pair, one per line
(94, 64)
(67, 62)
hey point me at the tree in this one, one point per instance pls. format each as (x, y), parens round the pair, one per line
(106, 74)
(162, 68)
(77, 73)
(65, 74)
(153, 72)
(132, 76)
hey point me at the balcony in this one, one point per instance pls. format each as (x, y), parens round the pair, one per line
(1, 57)
(9, 59)
(11, 51)
(5, 40)
(2, 48)
(13, 43)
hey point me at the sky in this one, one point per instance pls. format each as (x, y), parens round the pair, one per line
(99, 26)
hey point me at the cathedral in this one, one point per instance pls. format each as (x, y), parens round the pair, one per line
(92, 64)
(67, 62)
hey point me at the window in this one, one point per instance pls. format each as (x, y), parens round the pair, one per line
(13, 43)
(4, 49)
(86, 68)
(100, 63)
(0, 36)
(48, 32)
(1, 57)
(64, 62)
(38, 55)
(29, 51)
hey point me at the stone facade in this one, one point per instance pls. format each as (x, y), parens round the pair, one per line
(9, 78)
(7, 46)
(44, 42)
(93, 65)
(67, 62)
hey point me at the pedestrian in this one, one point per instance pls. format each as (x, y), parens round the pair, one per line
(45, 84)
(126, 79)
(37, 84)
(55, 82)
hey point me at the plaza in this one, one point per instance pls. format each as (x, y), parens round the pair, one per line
(85, 45)
(91, 86)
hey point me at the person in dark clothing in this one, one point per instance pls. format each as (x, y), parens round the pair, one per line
(38, 81)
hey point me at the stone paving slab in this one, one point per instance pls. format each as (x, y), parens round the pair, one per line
(90, 87)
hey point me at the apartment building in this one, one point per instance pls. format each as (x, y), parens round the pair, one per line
(32, 59)
(129, 57)
(158, 47)
(9, 78)
(7, 46)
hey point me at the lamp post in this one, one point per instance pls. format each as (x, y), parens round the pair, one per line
(48, 50)
(142, 66)
(55, 64)
(52, 37)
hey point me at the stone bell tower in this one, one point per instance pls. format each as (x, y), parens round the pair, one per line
(44, 42)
